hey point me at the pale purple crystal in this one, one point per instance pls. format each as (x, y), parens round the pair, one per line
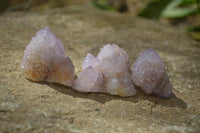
(115, 67)
(90, 60)
(149, 74)
(45, 60)
(112, 69)
(89, 80)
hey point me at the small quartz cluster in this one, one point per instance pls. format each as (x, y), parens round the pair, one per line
(45, 60)
(109, 72)
(149, 74)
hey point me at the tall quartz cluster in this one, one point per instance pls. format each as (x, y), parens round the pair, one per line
(149, 74)
(45, 60)
(109, 72)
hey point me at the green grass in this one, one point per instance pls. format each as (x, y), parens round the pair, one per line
(170, 9)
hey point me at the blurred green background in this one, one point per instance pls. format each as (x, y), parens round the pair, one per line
(173, 12)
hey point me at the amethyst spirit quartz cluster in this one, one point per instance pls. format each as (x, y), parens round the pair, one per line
(109, 72)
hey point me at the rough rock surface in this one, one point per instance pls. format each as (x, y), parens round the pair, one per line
(149, 74)
(109, 73)
(45, 60)
(47, 107)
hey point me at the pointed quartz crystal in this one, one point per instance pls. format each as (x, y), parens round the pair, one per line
(149, 74)
(115, 67)
(89, 80)
(45, 60)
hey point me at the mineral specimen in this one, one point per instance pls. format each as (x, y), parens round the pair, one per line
(45, 60)
(90, 60)
(89, 80)
(115, 67)
(109, 73)
(149, 74)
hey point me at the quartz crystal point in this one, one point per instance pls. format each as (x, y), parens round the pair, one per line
(149, 74)
(90, 60)
(90, 79)
(45, 60)
(108, 73)
(115, 67)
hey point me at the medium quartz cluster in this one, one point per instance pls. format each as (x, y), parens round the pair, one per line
(45, 60)
(109, 72)
(149, 74)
